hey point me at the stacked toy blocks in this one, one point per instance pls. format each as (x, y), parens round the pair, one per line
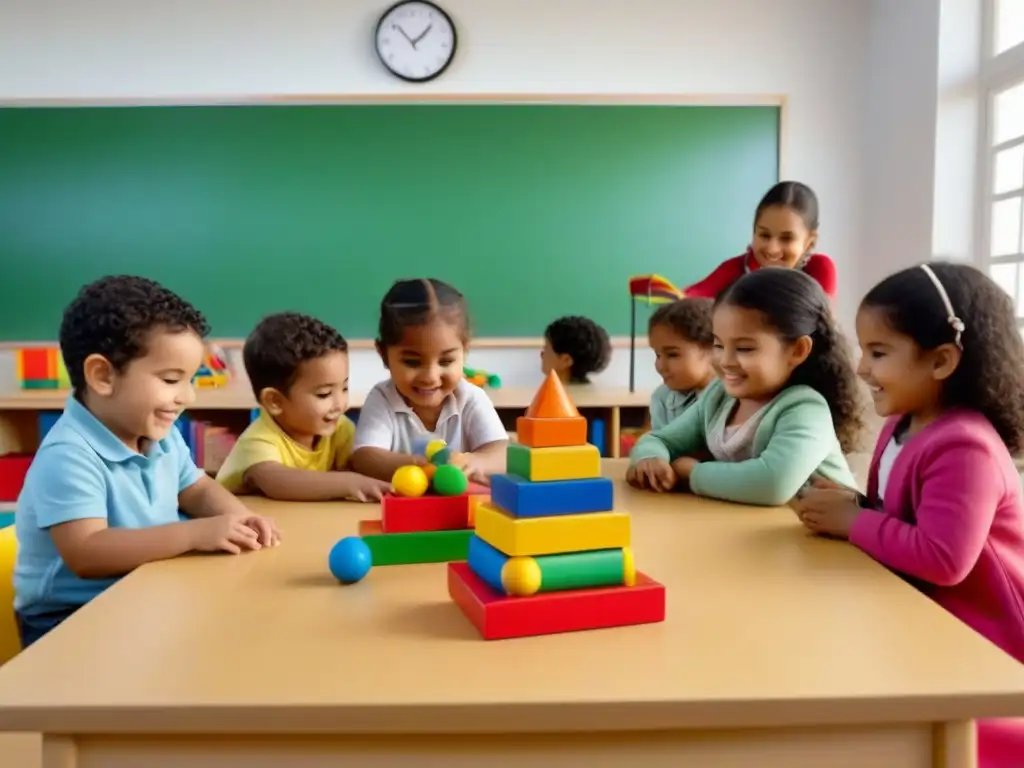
(214, 371)
(429, 517)
(41, 368)
(549, 552)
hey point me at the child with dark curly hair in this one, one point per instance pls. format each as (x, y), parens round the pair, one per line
(944, 360)
(299, 446)
(681, 337)
(103, 494)
(574, 348)
(783, 411)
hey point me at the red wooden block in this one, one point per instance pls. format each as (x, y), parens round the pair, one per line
(13, 468)
(498, 617)
(35, 364)
(405, 514)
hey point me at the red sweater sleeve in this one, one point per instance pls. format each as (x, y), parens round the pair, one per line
(823, 269)
(960, 491)
(725, 274)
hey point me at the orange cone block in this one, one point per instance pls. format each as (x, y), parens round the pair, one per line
(552, 420)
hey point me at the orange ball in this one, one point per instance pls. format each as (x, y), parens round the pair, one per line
(429, 470)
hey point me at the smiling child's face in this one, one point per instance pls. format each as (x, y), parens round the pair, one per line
(781, 238)
(427, 363)
(751, 359)
(145, 398)
(316, 399)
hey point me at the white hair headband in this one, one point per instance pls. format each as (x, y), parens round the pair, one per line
(955, 322)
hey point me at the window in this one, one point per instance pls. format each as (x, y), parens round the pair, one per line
(1008, 25)
(1002, 232)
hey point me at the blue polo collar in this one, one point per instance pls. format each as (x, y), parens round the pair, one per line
(101, 439)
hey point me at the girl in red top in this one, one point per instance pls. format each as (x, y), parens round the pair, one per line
(785, 231)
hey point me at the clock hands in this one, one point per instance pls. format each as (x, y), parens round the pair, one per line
(422, 35)
(413, 41)
(399, 28)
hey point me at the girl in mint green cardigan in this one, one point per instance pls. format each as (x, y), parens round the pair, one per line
(783, 411)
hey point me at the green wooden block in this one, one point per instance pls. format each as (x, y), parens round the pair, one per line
(40, 384)
(418, 547)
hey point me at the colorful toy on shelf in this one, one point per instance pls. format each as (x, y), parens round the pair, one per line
(549, 552)
(41, 368)
(481, 378)
(214, 372)
(646, 289)
(429, 517)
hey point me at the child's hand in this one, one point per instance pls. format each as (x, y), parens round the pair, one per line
(473, 466)
(654, 474)
(827, 511)
(683, 466)
(362, 488)
(224, 533)
(266, 529)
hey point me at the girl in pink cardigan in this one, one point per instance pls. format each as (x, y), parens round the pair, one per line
(945, 363)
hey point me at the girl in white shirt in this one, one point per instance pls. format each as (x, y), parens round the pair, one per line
(422, 340)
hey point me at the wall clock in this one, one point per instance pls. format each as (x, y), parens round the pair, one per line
(416, 40)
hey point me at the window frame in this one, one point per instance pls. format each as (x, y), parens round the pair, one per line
(997, 73)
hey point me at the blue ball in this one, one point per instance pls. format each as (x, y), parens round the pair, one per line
(350, 560)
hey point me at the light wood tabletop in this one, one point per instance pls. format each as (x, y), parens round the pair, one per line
(778, 649)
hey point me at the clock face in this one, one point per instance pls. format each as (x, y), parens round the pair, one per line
(416, 40)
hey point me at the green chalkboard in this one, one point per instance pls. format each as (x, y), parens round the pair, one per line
(532, 210)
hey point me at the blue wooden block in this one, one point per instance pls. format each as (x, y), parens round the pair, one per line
(46, 421)
(486, 562)
(7, 519)
(522, 498)
(597, 435)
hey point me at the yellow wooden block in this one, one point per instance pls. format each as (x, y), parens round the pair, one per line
(571, 462)
(527, 536)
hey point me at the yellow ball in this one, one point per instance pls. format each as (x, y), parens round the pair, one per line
(521, 576)
(433, 447)
(628, 567)
(410, 481)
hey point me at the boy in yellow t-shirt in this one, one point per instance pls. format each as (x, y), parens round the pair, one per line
(298, 448)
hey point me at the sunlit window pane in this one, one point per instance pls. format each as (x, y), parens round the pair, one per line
(1006, 227)
(1009, 114)
(1005, 276)
(1009, 26)
(1008, 173)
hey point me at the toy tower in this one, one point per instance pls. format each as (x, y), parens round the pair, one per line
(429, 518)
(549, 552)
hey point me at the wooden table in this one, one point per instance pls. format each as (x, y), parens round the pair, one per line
(19, 411)
(779, 650)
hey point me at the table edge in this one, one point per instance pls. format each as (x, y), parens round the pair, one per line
(470, 718)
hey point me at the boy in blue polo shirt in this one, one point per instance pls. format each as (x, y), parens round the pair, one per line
(103, 494)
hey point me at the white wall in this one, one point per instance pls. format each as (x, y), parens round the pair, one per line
(898, 137)
(811, 50)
